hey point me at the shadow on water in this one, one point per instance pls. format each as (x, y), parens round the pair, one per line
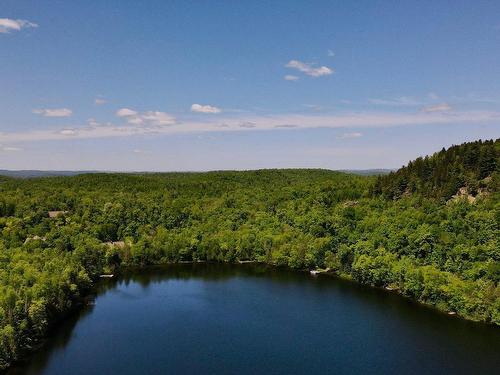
(380, 305)
(59, 337)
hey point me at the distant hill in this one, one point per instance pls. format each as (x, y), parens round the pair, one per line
(36, 173)
(471, 167)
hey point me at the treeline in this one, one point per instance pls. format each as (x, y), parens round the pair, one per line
(471, 166)
(442, 253)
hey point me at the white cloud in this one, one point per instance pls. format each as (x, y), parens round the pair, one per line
(125, 112)
(443, 107)
(7, 25)
(401, 101)
(92, 122)
(158, 118)
(68, 132)
(433, 96)
(205, 109)
(351, 135)
(154, 118)
(290, 77)
(309, 69)
(55, 112)
(135, 120)
(99, 101)
(330, 53)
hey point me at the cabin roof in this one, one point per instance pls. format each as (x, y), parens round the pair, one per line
(116, 243)
(53, 214)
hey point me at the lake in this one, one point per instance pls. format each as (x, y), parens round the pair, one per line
(252, 319)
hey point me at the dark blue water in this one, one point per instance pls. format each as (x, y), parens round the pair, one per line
(214, 319)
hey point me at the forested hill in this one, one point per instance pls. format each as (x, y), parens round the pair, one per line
(472, 167)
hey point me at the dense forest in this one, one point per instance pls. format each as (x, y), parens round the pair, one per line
(429, 231)
(467, 167)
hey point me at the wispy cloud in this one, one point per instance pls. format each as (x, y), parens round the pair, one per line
(55, 112)
(11, 149)
(442, 107)
(99, 101)
(309, 68)
(247, 124)
(330, 53)
(433, 102)
(400, 101)
(475, 98)
(199, 108)
(153, 123)
(314, 107)
(290, 77)
(350, 135)
(7, 25)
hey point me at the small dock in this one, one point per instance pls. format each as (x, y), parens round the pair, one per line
(318, 271)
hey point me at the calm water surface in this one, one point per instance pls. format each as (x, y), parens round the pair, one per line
(216, 319)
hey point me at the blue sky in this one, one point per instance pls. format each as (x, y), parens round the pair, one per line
(184, 85)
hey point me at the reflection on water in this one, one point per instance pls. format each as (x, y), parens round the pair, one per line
(213, 318)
